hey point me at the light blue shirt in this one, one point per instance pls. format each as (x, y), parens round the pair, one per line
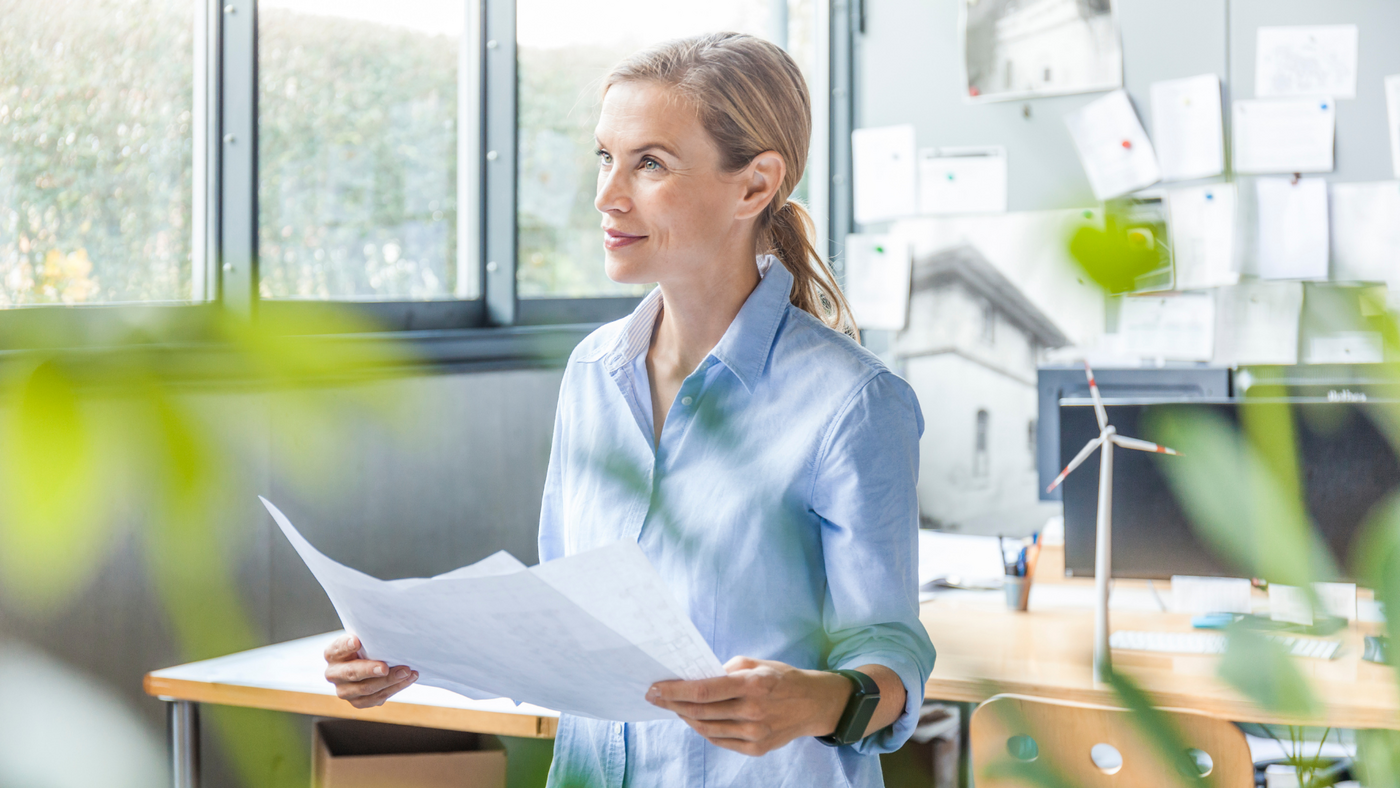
(779, 506)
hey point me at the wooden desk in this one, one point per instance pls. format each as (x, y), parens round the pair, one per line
(984, 649)
(290, 677)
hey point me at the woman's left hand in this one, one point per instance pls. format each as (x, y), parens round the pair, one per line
(760, 706)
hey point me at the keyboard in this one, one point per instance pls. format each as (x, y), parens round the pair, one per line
(1212, 643)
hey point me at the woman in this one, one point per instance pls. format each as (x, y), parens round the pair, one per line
(763, 460)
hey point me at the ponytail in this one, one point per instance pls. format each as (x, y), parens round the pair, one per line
(789, 235)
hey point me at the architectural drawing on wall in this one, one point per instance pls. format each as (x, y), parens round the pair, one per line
(1019, 48)
(970, 351)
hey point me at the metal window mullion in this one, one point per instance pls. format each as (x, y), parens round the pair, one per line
(840, 216)
(204, 207)
(499, 165)
(471, 153)
(238, 159)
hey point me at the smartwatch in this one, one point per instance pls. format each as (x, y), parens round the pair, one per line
(865, 696)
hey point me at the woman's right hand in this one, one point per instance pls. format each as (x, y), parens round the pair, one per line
(363, 682)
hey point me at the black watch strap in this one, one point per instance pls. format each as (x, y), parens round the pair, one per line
(865, 696)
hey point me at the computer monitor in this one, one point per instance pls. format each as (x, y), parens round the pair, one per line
(1068, 381)
(1346, 465)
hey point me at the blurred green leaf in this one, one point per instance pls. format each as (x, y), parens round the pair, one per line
(1378, 758)
(1113, 256)
(1261, 669)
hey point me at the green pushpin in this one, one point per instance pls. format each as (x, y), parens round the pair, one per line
(880, 249)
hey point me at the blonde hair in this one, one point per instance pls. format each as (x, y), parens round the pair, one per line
(751, 98)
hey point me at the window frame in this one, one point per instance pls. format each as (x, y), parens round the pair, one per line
(495, 324)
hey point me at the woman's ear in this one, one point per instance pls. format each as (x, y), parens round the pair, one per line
(762, 178)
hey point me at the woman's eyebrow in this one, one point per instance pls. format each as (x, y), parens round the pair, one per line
(644, 148)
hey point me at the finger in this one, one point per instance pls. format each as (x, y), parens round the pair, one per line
(741, 663)
(728, 729)
(739, 709)
(356, 670)
(378, 698)
(345, 647)
(359, 689)
(743, 747)
(698, 691)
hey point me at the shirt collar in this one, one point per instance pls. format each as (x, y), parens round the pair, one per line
(745, 344)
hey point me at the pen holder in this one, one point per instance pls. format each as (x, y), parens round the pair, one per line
(1018, 592)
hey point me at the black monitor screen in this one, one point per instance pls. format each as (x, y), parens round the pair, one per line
(1346, 464)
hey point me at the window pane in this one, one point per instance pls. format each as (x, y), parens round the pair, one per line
(566, 47)
(357, 152)
(96, 102)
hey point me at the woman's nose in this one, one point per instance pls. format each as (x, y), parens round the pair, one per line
(612, 193)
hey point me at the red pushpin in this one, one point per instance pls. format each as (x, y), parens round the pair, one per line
(1127, 144)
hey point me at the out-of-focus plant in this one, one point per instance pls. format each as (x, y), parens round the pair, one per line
(1241, 488)
(91, 438)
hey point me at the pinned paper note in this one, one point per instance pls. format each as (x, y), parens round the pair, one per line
(1293, 240)
(1178, 326)
(882, 161)
(1257, 323)
(877, 281)
(1284, 135)
(1316, 60)
(1366, 231)
(1345, 347)
(1392, 113)
(1115, 151)
(1186, 127)
(962, 180)
(1201, 220)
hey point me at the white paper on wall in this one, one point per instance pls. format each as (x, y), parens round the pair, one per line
(1175, 326)
(1201, 224)
(1284, 135)
(962, 180)
(1186, 127)
(1257, 323)
(1294, 238)
(1117, 155)
(878, 268)
(1365, 231)
(883, 173)
(1313, 60)
(1345, 347)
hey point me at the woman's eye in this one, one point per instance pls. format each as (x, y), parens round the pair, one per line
(651, 165)
(604, 158)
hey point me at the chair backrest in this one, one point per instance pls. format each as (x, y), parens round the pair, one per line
(1096, 746)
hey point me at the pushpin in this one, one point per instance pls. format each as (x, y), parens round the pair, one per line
(1127, 145)
(950, 176)
(880, 249)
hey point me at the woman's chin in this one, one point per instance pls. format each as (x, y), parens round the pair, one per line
(627, 272)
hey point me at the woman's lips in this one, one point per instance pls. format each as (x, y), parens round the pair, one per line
(613, 239)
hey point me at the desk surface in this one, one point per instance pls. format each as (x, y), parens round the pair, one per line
(290, 677)
(984, 649)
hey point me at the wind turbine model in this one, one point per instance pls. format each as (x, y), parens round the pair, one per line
(1103, 547)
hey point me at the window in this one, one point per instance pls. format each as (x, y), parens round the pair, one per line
(96, 153)
(357, 167)
(989, 324)
(565, 48)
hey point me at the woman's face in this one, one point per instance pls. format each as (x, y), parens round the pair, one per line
(669, 210)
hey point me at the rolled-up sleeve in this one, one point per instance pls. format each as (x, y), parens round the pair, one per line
(864, 492)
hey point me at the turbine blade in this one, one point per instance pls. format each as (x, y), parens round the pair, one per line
(1134, 443)
(1074, 463)
(1098, 401)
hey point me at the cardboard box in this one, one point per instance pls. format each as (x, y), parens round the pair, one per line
(357, 754)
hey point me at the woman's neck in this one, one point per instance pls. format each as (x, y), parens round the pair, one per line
(695, 315)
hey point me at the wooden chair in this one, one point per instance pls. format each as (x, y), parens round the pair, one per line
(1011, 732)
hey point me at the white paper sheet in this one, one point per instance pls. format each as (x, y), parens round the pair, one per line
(1284, 135)
(877, 280)
(1294, 242)
(1201, 223)
(587, 634)
(1179, 326)
(885, 178)
(961, 557)
(1186, 127)
(1257, 323)
(1345, 347)
(1317, 60)
(1115, 151)
(1392, 114)
(962, 180)
(1366, 231)
(1200, 595)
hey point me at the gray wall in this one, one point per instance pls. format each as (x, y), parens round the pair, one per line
(909, 71)
(454, 475)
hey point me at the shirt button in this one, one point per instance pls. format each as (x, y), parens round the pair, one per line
(618, 728)
(686, 400)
